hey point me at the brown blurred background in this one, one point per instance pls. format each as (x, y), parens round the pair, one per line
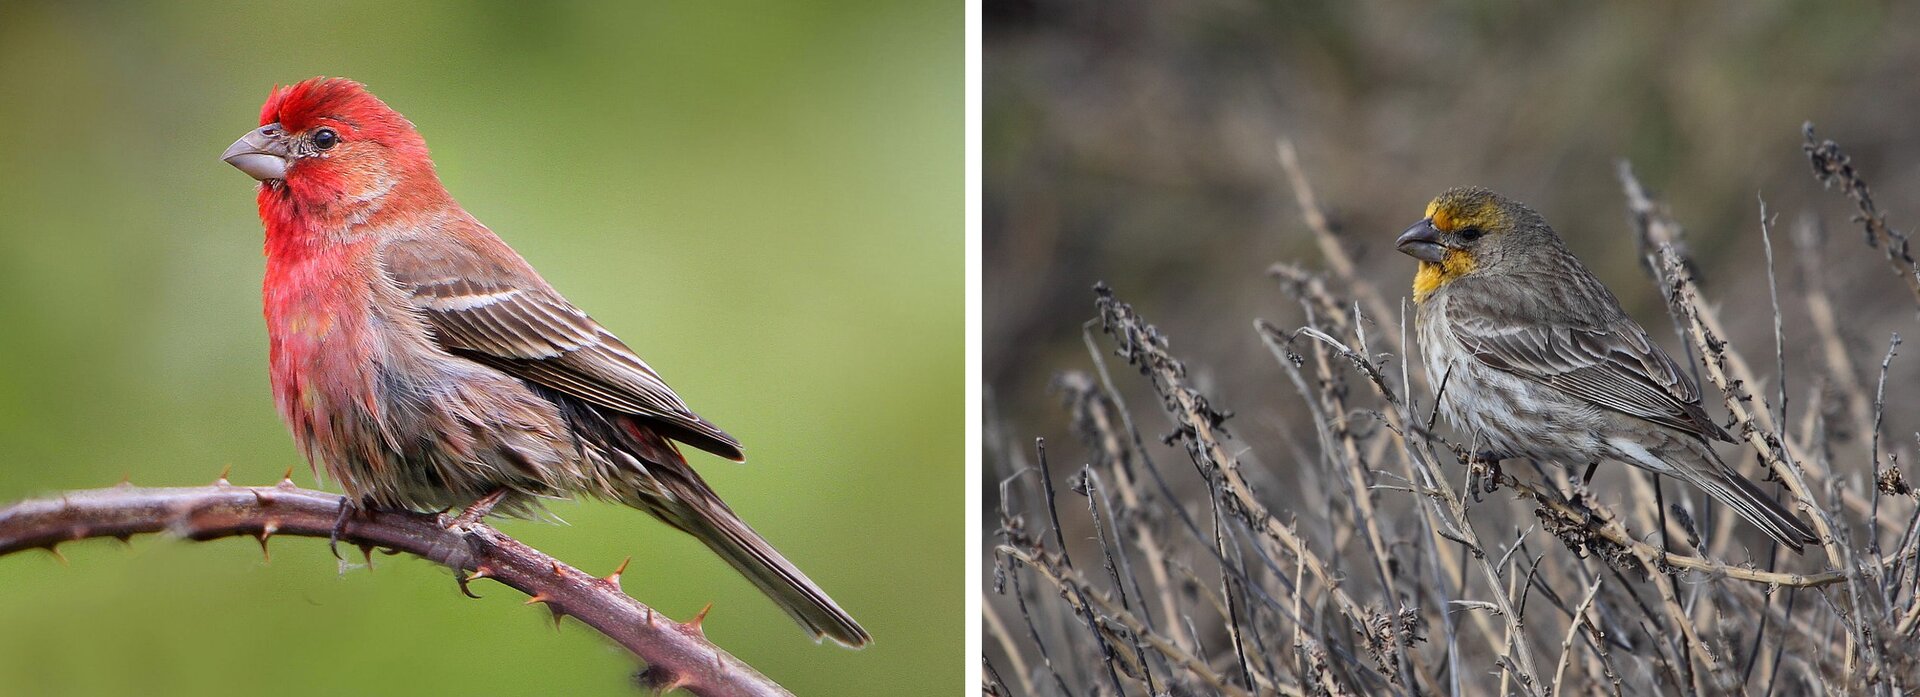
(1134, 143)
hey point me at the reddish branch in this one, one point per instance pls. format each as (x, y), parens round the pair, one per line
(677, 654)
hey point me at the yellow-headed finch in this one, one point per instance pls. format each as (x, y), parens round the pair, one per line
(1532, 357)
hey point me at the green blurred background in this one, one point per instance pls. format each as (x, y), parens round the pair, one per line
(764, 199)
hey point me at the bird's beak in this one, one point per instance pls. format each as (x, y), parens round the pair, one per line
(261, 153)
(1422, 242)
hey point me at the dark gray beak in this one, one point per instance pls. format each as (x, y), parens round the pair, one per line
(1422, 242)
(261, 153)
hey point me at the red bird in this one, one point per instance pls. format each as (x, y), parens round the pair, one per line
(426, 366)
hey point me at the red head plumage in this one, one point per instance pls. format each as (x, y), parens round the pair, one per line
(372, 160)
(346, 106)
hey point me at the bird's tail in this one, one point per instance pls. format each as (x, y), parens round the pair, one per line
(1753, 504)
(731, 538)
(660, 482)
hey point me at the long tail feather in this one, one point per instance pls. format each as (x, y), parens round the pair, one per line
(737, 543)
(1758, 508)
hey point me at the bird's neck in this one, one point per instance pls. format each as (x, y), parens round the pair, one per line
(305, 219)
(1433, 276)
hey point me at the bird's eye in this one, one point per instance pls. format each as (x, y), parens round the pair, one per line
(1469, 234)
(325, 139)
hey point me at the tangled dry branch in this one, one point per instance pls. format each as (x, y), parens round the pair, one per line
(1383, 567)
(677, 654)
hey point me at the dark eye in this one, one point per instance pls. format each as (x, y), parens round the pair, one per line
(325, 139)
(1469, 234)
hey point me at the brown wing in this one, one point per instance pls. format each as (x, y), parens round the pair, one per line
(491, 307)
(1610, 363)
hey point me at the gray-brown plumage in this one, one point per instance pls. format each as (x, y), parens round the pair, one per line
(1538, 360)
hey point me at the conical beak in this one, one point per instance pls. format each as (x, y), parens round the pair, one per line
(1422, 242)
(261, 153)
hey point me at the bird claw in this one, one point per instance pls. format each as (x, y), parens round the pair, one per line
(478, 510)
(340, 527)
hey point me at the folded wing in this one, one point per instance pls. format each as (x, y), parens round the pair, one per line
(1612, 363)
(491, 307)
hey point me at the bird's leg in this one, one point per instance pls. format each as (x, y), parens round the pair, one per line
(1660, 499)
(347, 509)
(1588, 477)
(1485, 464)
(479, 509)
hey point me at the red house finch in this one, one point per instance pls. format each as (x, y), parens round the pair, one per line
(1537, 359)
(425, 365)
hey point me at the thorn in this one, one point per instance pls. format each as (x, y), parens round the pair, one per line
(125, 538)
(366, 552)
(126, 481)
(613, 579)
(54, 549)
(694, 624)
(224, 471)
(535, 598)
(266, 532)
(558, 614)
(263, 498)
(286, 480)
(558, 570)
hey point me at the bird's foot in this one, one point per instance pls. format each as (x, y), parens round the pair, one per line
(347, 509)
(1485, 465)
(478, 510)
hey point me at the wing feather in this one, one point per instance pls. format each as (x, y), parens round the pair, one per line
(1610, 363)
(491, 307)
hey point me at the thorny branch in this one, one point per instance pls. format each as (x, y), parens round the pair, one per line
(677, 654)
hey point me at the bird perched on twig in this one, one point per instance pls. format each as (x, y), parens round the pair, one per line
(424, 365)
(1533, 357)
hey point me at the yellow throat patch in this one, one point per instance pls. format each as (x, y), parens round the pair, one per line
(1431, 276)
(1452, 211)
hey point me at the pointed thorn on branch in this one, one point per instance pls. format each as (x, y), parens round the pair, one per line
(222, 481)
(613, 579)
(54, 549)
(698, 618)
(536, 598)
(286, 480)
